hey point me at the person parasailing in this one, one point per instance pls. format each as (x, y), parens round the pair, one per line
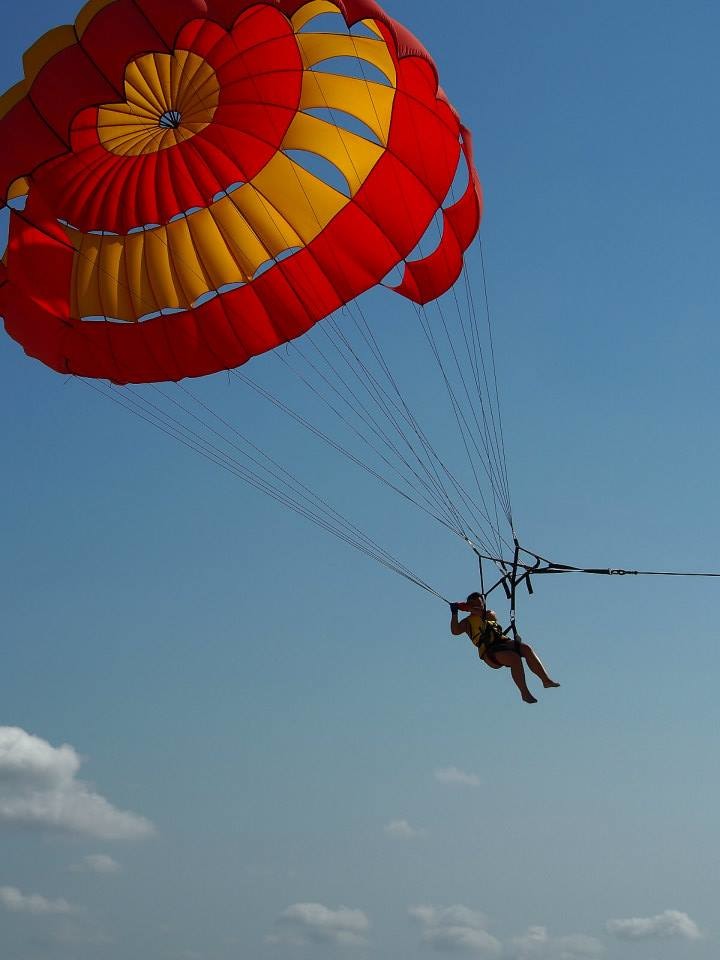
(494, 647)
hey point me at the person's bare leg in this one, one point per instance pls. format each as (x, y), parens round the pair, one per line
(533, 661)
(514, 662)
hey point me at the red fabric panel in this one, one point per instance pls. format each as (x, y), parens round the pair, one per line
(65, 85)
(427, 279)
(39, 262)
(26, 142)
(168, 16)
(424, 132)
(116, 34)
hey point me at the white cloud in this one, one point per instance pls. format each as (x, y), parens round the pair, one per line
(537, 944)
(320, 924)
(16, 902)
(669, 923)
(96, 863)
(402, 830)
(456, 929)
(39, 787)
(453, 775)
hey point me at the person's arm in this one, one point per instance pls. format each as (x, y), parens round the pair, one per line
(456, 628)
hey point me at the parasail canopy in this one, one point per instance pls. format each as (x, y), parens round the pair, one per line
(195, 182)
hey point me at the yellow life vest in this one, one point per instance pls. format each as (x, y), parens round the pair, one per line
(484, 631)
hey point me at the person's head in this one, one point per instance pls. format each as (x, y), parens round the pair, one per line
(475, 601)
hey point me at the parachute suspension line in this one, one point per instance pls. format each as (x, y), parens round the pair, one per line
(491, 472)
(454, 482)
(489, 404)
(339, 448)
(320, 514)
(278, 472)
(312, 428)
(430, 462)
(352, 427)
(494, 371)
(365, 416)
(461, 423)
(493, 407)
(475, 358)
(386, 405)
(384, 400)
(410, 419)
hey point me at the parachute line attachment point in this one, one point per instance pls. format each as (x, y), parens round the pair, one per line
(170, 120)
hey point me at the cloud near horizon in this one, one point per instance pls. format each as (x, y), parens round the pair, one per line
(99, 863)
(402, 830)
(303, 922)
(454, 775)
(669, 923)
(537, 944)
(15, 901)
(456, 929)
(39, 788)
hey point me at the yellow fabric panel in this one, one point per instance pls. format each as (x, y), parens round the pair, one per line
(19, 188)
(310, 11)
(162, 271)
(100, 285)
(163, 79)
(115, 298)
(272, 229)
(129, 277)
(217, 259)
(154, 84)
(316, 47)
(354, 156)
(241, 240)
(304, 201)
(128, 139)
(90, 10)
(372, 25)
(142, 85)
(45, 49)
(191, 276)
(138, 277)
(86, 300)
(370, 102)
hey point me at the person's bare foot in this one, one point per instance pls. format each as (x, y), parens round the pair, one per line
(550, 683)
(528, 697)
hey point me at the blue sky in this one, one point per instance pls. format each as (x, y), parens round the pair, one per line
(224, 734)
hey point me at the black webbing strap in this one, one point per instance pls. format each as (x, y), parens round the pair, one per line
(482, 578)
(511, 629)
(518, 571)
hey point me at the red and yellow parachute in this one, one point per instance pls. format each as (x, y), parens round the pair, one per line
(162, 224)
